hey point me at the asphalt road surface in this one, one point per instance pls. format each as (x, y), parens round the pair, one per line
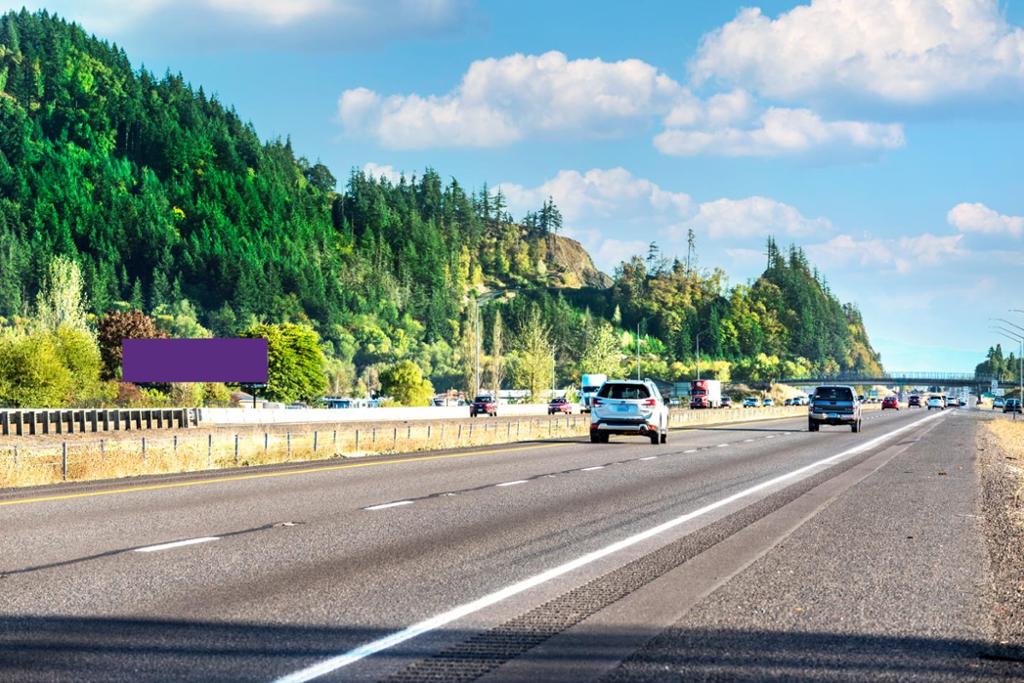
(746, 552)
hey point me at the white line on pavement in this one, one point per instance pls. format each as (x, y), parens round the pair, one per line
(649, 457)
(722, 445)
(389, 505)
(692, 450)
(591, 469)
(437, 621)
(748, 440)
(176, 544)
(511, 483)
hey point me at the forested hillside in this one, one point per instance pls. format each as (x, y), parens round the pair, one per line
(170, 203)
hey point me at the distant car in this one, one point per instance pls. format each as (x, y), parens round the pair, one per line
(631, 407)
(890, 403)
(726, 402)
(768, 403)
(559, 405)
(788, 402)
(998, 402)
(834, 405)
(936, 402)
(483, 405)
(1012, 405)
(751, 402)
(953, 402)
(914, 401)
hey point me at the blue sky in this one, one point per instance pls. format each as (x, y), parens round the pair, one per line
(884, 136)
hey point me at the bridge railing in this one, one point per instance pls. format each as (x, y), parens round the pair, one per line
(894, 378)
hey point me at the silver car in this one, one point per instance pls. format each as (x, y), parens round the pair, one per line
(629, 406)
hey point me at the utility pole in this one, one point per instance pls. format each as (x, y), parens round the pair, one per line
(698, 355)
(638, 350)
(476, 325)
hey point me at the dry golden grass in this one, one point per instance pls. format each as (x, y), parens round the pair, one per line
(89, 457)
(1009, 434)
(37, 463)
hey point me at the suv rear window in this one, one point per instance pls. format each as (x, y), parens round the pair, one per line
(483, 399)
(623, 391)
(833, 394)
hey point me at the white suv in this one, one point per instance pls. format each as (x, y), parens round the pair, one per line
(629, 406)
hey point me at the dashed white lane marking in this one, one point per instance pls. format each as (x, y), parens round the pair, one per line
(389, 505)
(176, 544)
(437, 621)
(692, 450)
(722, 445)
(649, 457)
(748, 441)
(591, 469)
(511, 483)
(770, 436)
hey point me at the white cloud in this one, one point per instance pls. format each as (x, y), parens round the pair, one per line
(600, 194)
(900, 254)
(218, 24)
(755, 217)
(979, 218)
(904, 51)
(503, 100)
(383, 171)
(776, 132)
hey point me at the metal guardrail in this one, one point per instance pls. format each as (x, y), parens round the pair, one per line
(30, 422)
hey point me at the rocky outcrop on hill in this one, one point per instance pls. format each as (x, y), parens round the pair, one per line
(570, 266)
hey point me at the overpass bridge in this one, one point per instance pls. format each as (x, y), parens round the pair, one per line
(905, 379)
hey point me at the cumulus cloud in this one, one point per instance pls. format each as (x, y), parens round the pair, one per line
(600, 194)
(219, 24)
(503, 100)
(382, 171)
(900, 254)
(978, 218)
(755, 217)
(903, 51)
(776, 132)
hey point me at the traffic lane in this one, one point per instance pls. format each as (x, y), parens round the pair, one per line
(95, 526)
(420, 559)
(138, 517)
(890, 580)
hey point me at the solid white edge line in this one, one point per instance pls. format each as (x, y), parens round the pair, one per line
(692, 450)
(649, 457)
(339, 661)
(176, 544)
(591, 469)
(389, 505)
(510, 483)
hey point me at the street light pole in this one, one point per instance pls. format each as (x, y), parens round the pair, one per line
(698, 355)
(638, 350)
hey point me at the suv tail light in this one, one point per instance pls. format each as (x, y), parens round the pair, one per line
(596, 401)
(650, 402)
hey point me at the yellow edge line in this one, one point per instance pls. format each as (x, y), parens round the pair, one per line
(267, 475)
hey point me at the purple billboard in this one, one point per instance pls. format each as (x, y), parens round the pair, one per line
(194, 360)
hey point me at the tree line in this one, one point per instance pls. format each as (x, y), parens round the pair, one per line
(172, 210)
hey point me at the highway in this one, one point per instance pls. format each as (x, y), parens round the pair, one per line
(733, 552)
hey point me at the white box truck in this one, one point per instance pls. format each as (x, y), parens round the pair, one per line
(589, 384)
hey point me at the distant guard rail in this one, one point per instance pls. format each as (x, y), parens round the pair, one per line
(29, 422)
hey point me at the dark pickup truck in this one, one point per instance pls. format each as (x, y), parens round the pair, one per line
(834, 405)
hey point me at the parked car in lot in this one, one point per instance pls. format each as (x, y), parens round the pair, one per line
(768, 403)
(834, 405)
(936, 402)
(998, 403)
(483, 405)
(630, 407)
(751, 402)
(1012, 405)
(788, 402)
(914, 401)
(890, 403)
(559, 405)
(726, 402)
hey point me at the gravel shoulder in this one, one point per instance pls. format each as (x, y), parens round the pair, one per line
(892, 581)
(1000, 448)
